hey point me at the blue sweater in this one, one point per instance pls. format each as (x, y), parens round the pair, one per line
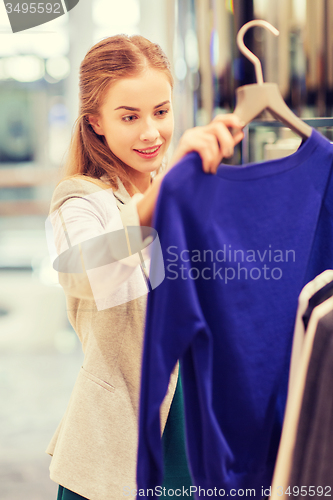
(238, 247)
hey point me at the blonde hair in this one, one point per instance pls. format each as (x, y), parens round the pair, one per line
(111, 59)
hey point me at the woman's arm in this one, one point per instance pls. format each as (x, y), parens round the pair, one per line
(213, 142)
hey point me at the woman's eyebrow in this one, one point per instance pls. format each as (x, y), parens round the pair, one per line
(129, 108)
(162, 104)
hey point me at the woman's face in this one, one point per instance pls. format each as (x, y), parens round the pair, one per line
(137, 119)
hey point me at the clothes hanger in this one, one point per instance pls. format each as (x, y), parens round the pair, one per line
(252, 99)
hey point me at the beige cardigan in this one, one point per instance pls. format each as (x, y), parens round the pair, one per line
(94, 448)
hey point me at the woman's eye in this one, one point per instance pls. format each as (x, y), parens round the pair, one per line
(162, 112)
(129, 118)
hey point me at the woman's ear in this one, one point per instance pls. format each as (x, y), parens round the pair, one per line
(94, 121)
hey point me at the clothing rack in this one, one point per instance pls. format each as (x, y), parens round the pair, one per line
(245, 147)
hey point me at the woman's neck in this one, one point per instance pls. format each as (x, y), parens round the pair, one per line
(141, 180)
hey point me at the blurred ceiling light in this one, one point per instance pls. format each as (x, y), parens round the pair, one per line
(300, 11)
(191, 50)
(180, 68)
(125, 12)
(58, 67)
(261, 8)
(24, 68)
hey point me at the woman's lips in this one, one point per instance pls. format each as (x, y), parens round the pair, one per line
(148, 152)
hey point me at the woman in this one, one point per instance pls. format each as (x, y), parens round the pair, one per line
(112, 181)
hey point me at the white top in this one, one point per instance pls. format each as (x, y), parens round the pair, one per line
(80, 219)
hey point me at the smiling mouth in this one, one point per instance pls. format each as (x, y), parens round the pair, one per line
(148, 150)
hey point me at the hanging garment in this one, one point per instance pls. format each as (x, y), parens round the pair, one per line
(313, 292)
(313, 454)
(318, 298)
(238, 248)
(308, 415)
(309, 290)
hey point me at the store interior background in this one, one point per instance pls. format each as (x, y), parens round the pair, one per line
(39, 353)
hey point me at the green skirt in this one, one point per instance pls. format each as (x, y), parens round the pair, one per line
(65, 494)
(176, 471)
(175, 467)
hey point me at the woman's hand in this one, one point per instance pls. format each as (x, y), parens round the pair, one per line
(213, 142)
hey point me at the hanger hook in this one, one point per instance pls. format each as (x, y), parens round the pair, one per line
(247, 53)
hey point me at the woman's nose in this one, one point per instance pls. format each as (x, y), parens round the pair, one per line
(149, 132)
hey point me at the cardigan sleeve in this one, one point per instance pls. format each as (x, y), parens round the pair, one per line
(86, 235)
